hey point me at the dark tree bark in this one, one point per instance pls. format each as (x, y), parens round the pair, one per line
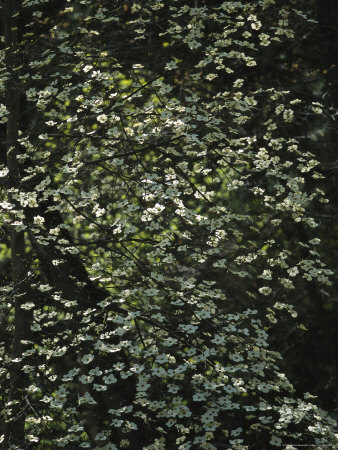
(22, 322)
(328, 41)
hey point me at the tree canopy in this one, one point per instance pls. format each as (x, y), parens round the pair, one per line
(148, 181)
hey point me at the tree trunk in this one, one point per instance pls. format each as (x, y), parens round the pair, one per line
(22, 321)
(327, 11)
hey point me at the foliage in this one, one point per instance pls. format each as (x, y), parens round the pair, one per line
(306, 66)
(144, 192)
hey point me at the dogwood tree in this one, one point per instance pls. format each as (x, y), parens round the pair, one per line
(144, 184)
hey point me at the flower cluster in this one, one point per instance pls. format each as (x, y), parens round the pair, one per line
(131, 197)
